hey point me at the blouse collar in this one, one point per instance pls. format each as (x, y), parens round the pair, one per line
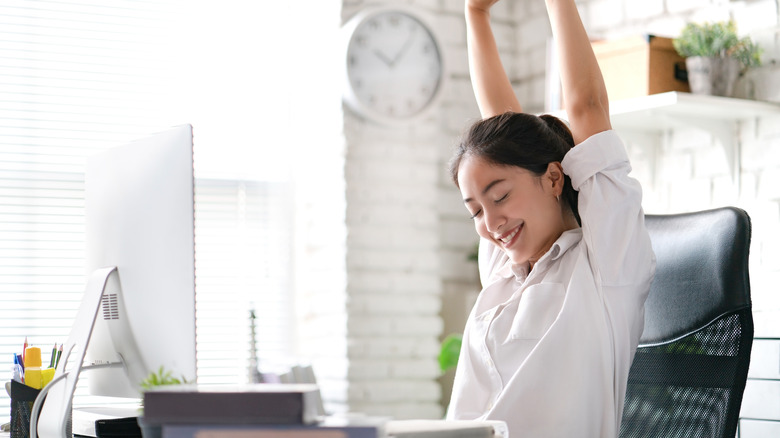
(520, 271)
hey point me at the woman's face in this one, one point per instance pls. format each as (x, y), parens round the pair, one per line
(513, 208)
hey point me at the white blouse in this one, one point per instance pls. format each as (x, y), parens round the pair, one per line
(548, 351)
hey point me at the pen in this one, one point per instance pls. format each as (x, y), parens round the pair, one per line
(20, 361)
(59, 353)
(24, 350)
(18, 373)
(53, 355)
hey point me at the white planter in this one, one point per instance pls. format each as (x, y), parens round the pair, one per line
(760, 83)
(763, 83)
(713, 76)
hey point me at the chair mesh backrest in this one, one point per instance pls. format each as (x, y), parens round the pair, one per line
(691, 387)
(690, 369)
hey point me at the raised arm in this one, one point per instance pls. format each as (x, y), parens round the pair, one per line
(584, 93)
(489, 80)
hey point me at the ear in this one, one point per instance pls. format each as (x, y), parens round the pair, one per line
(555, 177)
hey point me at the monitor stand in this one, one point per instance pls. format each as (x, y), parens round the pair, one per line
(55, 417)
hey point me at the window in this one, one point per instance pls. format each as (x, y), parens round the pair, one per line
(242, 245)
(80, 75)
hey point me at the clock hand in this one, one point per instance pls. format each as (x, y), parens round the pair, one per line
(388, 62)
(404, 48)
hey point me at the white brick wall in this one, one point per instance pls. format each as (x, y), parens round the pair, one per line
(381, 357)
(602, 14)
(644, 9)
(393, 288)
(683, 6)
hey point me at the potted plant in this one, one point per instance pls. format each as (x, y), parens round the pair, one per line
(156, 379)
(715, 56)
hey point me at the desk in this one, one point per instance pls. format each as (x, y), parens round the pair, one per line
(393, 428)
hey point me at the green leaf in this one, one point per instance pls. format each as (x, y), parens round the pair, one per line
(717, 40)
(450, 351)
(161, 377)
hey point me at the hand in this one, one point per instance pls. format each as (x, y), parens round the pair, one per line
(480, 5)
(405, 47)
(388, 62)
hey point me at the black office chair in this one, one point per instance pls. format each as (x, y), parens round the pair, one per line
(690, 369)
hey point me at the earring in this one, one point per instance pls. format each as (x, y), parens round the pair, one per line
(558, 197)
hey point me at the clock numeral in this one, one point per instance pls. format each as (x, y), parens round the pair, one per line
(360, 41)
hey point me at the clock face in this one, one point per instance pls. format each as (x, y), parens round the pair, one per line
(394, 66)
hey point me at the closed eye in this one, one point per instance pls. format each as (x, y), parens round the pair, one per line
(475, 215)
(499, 200)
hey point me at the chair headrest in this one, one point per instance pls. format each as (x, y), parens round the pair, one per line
(701, 274)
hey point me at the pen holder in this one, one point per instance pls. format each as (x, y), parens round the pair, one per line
(22, 399)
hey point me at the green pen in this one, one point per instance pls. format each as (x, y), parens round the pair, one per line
(53, 356)
(59, 353)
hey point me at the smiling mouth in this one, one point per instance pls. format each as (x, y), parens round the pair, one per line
(507, 239)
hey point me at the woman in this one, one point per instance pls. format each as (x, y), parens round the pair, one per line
(565, 259)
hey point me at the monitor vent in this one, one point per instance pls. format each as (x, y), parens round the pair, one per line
(110, 306)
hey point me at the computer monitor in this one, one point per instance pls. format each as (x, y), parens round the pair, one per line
(138, 311)
(140, 218)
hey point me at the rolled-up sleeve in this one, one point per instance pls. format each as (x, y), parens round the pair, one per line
(610, 206)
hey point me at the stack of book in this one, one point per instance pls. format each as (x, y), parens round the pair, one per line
(281, 411)
(248, 411)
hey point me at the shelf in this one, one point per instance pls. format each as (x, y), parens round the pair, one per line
(644, 118)
(659, 112)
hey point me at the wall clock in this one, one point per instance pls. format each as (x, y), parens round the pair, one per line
(394, 64)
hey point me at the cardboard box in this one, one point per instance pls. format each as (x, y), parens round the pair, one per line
(640, 66)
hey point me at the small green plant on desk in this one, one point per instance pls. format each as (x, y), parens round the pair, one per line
(155, 379)
(161, 377)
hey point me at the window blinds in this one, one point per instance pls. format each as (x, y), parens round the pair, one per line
(77, 76)
(242, 246)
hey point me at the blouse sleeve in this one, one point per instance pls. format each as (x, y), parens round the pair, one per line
(610, 206)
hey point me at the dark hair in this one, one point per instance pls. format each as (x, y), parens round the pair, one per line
(519, 139)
